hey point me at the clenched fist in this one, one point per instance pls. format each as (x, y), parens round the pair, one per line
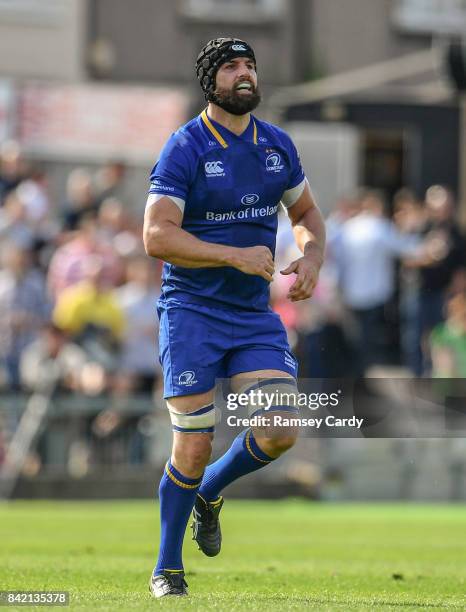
(256, 260)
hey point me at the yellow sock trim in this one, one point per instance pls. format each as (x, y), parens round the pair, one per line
(248, 446)
(178, 482)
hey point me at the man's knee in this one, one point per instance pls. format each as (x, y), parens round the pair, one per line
(191, 453)
(193, 421)
(273, 393)
(277, 445)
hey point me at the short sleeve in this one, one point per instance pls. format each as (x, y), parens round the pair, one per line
(297, 181)
(297, 175)
(172, 174)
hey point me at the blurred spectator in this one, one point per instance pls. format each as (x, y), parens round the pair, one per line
(12, 168)
(448, 253)
(139, 356)
(109, 180)
(112, 219)
(117, 227)
(14, 224)
(52, 363)
(346, 207)
(448, 341)
(34, 195)
(286, 251)
(445, 258)
(315, 328)
(409, 217)
(365, 251)
(23, 308)
(80, 199)
(67, 264)
(408, 213)
(90, 313)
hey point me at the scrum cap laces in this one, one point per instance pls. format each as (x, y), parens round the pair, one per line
(214, 54)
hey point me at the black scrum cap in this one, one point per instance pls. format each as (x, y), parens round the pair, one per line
(215, 53)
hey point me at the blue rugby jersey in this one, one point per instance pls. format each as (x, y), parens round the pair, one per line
(229, 188)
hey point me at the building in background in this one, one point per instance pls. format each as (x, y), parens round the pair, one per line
(169, 36)
(116, 77)
(348, 35)
(82, 81)
(44, 39)
(385, 113)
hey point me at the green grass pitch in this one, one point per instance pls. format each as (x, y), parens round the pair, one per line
(277, 555)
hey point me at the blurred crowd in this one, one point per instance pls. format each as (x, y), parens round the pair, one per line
(78, 293)
(391, 297)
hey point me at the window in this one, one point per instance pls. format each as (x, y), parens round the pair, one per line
(47, 12)
(430, 16)
(232, 10)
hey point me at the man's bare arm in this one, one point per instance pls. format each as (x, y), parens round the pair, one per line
(308, 225)
(164, 238)
(309, 231)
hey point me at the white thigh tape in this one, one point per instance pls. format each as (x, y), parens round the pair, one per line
(198, 419)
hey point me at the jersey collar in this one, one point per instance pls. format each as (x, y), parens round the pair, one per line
(216, 133)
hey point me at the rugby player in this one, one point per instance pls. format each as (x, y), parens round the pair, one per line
(211, 215)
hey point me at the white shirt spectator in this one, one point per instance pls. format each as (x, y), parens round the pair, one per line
(365, 250)
(35, 200)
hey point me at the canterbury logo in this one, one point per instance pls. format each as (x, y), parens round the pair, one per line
(214, 168)
(238, 48)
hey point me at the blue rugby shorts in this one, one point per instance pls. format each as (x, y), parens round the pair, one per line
(199, 344)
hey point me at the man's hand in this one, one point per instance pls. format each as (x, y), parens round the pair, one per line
(309, 232)
(256, 260)
(307, 273)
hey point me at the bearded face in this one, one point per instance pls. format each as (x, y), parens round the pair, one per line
(241, 98)
(236, 89)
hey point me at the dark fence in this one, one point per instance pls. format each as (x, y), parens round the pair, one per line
(79, 447)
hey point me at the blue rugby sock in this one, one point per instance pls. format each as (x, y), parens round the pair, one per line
(177, 495)
(243, 456)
